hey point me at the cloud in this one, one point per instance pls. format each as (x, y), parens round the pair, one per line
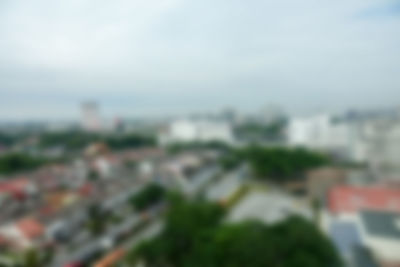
(186, 54)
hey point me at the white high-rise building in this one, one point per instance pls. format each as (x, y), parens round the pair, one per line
(197, 131)
(90, 117)
(319, 132)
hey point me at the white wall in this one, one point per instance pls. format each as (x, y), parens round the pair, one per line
(192, 131)
(318, 132)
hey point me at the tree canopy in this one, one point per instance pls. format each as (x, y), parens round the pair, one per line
(147, 197)
(254, 131)
(179, 147)
(78, 140)
(282, 164)
(195, 236)
(11, 163)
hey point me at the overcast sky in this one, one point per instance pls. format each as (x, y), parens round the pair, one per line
(138, 57)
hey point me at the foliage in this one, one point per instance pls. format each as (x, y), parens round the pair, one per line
(97, 219)
(316, 208)
(77, 140)
(31, 258)
(237, 196)
(93, 175)
(281, 164)
(129, 141)
(294, 242)
(11, 163)
(179, 147)
(231, 160)
(188, 225)
(275, 164)
(7, 139)
(149, 196)
(69, 139)
(256, 131)
(194, 236)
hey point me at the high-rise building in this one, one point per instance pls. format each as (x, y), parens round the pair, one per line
(90, 117)
(181, 131)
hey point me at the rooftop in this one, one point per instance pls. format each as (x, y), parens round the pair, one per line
(382, 224)
(352, 199)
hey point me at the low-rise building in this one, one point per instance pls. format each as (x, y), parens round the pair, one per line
(381, 233)
(351, 199)
(23, 233)
(321, 180)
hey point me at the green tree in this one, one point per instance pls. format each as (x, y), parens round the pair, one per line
(98, 219)
(189, 226)
(282, 164)
(11, 163)
(147, 197)
(93, 175)
(31, 258)
(316, 208)
(195, 236)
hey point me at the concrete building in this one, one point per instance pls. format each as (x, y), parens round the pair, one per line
(319, 132)
(185, 131)
(90, 117)
(321, 180)
(381, 233)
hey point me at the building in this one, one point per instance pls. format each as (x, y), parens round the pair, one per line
(271, 113)
(380, 231)
(345, 236)
(24, 233)
(382, 141)
(186, 131)
(351, 199)
(90, 117)
(321, 180)
(319, 132)
(18, 188)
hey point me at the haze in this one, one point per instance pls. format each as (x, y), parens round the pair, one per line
(174, 56)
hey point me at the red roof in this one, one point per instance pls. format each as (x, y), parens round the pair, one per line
(353, 199)
(86, 189)
(3, 240)
(30, 228)
(19, 183)
(15, 187)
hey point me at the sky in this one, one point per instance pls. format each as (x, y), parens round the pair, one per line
(157, 57)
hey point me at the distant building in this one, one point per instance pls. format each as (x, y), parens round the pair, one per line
(382, 139)
(319, 132)
(371, 140)
(90, 117)
(271, 113)
(182, 131)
